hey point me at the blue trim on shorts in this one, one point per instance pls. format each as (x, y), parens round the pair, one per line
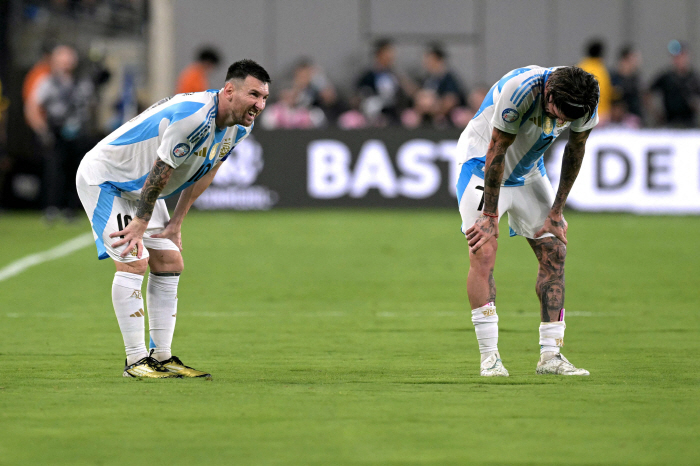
(471, 167)
(100, 217)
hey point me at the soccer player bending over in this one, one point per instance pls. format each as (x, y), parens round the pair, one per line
(502, 171)
(174, 147)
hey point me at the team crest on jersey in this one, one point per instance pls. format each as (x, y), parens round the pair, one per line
(547, 125)
(181, 150)
(510, 115)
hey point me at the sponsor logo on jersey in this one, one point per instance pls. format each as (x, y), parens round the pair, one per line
(181, 150)
(510, 115)
(138, 313)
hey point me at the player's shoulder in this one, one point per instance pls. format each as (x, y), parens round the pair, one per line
(521, 86)
(182, 106)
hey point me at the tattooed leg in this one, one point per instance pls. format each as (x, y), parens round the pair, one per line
(481, 287)
(550, 289)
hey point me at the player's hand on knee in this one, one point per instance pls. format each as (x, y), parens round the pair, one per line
(557, 227)
(171, 232)
(483, 229)
(132, 236)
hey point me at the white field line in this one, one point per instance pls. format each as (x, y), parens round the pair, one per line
(61, 250)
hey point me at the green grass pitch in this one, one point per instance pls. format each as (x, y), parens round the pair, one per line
(344, 337)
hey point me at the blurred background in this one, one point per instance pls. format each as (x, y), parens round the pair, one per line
(368, 96)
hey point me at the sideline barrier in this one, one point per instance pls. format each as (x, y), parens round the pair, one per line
(643, 171)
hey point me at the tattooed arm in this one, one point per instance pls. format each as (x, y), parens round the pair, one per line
(570, 166)
(486, 226)
(133, 233)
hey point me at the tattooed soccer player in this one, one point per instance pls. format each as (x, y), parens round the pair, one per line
(502, 171)
(175, 146)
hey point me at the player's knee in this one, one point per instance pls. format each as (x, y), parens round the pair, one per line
(137, 267)
(554, 251)
(485, 257)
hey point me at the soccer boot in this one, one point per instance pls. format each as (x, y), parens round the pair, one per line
(148, 368)
(559, 365)
(493, 367)
(175, 366)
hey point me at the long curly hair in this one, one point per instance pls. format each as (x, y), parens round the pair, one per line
(574, 92)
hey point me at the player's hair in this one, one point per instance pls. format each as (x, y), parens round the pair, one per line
(244, 68)
(209, 55)
(573, 91)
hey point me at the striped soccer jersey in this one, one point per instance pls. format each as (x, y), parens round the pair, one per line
(514, 105)
(179, 130)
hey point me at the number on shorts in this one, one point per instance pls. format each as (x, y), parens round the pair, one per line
(127, 219)
(481, 204)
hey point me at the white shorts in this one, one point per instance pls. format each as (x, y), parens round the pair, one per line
(109, 213)
(527, 205)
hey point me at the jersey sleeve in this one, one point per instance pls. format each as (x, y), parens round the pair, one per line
(178, 140)
(581, 125)
(514, 101)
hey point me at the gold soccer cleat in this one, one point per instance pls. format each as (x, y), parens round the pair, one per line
(175, 366)
(148, 368)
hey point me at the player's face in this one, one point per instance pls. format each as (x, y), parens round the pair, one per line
(242, 101)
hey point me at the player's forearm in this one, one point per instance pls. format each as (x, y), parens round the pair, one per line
(155, 183)
(189, 195)
(494, 167)
(570, 167)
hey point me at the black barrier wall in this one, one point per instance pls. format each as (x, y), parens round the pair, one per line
(387, 167)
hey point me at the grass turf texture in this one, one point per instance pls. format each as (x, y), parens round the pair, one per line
(344, 337)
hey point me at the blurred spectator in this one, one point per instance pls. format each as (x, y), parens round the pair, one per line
(381, 91)
(621, 117)
(195, 77)
(60, 115)
(439, 96)
(625, 81)
(312, 89)
(286, 114)
(593, 63)
(679, 87)
(38, 73)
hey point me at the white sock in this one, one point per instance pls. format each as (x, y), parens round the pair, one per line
(128, 306)
(485, 322)
(551, 337)
(161, 297)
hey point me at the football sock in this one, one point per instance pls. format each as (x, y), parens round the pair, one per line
(161, 297)
(128, 306)
(552, 336)
(485, 322)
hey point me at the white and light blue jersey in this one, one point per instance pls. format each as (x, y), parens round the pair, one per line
(514, 105)
(179, 130)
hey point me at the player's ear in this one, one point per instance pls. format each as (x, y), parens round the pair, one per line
(229, 88)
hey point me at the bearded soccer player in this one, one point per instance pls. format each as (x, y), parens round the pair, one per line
(502, 171)
(174, 147)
